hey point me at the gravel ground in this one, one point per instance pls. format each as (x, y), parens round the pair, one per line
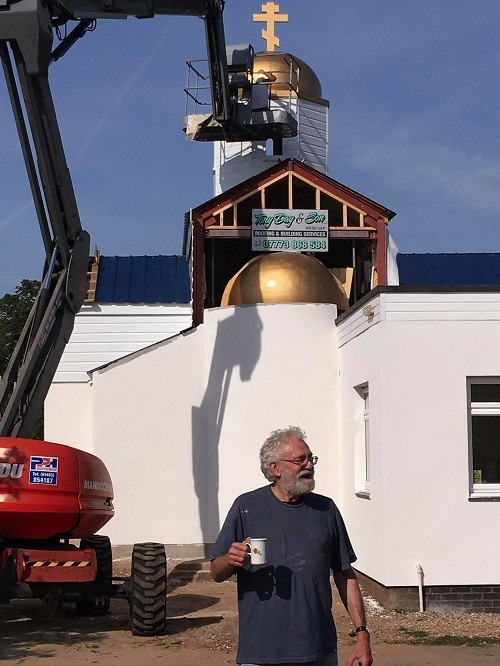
(202, 630)
(463, 629)
(396, 627)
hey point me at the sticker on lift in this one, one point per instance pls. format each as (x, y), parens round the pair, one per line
(43, 470)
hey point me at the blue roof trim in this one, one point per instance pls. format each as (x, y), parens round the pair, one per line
(159, 279)
(468, 269)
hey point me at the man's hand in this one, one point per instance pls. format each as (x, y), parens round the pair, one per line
(238, 553)
(361, 652)
(223, 567)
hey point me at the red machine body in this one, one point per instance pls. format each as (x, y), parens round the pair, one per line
(51, 490)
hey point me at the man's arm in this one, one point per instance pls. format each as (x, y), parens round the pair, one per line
(223, 567)
(350, 594)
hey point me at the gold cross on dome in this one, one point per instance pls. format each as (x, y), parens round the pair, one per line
(271, 16)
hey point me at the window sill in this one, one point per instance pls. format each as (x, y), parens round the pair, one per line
(484, 492)
(364, 494)
(477, 497)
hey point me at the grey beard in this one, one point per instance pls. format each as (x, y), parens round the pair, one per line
(299, 486)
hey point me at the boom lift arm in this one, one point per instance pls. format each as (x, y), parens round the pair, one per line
(26, 36)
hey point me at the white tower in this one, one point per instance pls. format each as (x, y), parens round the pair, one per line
(292, 85)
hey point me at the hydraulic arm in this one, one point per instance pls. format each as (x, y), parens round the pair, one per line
(26, 38)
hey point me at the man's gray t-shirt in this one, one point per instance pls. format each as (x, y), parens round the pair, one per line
(285, 604)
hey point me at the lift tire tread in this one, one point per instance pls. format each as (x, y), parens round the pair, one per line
(146, 572)
(96, 596)
(148, 610)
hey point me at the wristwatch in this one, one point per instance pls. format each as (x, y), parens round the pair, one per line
(356, 631)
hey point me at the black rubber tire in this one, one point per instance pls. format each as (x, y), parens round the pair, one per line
(96, 596)
(148, 594)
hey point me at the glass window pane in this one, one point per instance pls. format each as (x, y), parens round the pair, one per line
(485, 392)
(486, 449)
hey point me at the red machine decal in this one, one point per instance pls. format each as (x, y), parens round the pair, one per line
(43, 469)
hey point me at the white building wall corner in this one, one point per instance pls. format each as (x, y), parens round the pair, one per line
(360, 365)
(419, 509)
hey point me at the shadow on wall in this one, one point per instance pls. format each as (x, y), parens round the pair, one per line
(237, 343)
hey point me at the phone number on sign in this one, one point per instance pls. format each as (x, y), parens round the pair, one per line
(294, 245)
(47, 480)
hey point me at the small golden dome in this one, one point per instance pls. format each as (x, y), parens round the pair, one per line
(284, 277)
(289, 69)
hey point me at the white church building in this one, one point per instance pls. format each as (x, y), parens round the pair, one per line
(396, 383)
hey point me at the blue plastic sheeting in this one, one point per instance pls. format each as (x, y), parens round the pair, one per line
(472, 269)
(143, 280)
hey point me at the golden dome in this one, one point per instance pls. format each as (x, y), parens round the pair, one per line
(284, 277)
(287, 68)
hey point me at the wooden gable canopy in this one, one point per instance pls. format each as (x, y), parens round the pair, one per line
(286, 185)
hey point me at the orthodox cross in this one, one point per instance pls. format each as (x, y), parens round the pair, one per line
(270, 16)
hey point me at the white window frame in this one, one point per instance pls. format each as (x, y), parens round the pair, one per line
(362, 466)
(480, 409)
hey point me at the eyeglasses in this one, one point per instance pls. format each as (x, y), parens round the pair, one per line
(302, 461)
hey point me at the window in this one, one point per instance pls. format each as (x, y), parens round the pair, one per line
(484, 435)
(362, 441)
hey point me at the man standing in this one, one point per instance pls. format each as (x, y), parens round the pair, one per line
(285, 614)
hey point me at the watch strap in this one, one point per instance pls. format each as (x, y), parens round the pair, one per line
(355, 632)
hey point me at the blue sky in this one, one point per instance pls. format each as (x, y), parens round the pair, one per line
(414, 93)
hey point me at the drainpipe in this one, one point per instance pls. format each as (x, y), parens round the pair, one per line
(420, 574)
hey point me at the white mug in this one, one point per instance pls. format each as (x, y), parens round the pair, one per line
(257, 549)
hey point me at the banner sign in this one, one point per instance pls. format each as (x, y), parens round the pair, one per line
(282, 230)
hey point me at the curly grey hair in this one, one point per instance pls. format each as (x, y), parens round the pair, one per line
(269, 451)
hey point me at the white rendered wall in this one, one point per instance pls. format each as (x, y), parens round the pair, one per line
(68, 414)
(416, 356)
(180, 425)
(235, 162)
